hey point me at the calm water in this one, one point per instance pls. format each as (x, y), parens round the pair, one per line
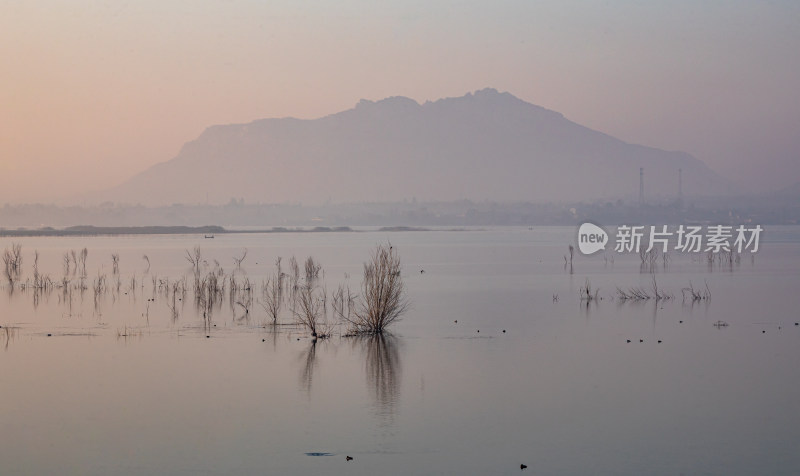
(121, 387)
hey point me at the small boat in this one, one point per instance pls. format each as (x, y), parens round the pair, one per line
(209, 236)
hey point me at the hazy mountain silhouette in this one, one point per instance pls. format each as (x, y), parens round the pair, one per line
(486, 145)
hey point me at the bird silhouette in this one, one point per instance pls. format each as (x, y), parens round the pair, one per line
(523, 466)
(348, 458)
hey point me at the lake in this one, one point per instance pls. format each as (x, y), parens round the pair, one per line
(498, 361)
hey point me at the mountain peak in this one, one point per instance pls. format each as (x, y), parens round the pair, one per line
(485, 144)
(493, 96)
(489, 92)
(393, 102)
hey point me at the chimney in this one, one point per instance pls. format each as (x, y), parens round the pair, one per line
(641, 186)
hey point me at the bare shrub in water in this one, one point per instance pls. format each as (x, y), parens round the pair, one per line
(13, 262)
(310, 312)
(312, 270)
(586, 292)
(82, 261)
(238, 261)
(343, 304)
(383, 298)
(194, 257)
(272, 292)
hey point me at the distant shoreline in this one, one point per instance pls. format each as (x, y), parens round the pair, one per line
(206, 231)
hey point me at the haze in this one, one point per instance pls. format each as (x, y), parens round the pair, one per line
(95, 92)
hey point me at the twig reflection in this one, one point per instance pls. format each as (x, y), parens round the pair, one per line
(383, 370)
(309, 359)
(8, 333)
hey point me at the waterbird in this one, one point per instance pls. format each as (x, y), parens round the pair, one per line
(629, 341)
(659, 342)
(348, 458)
(523, 466)
(641, 340)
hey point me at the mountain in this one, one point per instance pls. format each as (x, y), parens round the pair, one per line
(483, 145)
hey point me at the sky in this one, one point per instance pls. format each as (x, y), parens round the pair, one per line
(93, 92)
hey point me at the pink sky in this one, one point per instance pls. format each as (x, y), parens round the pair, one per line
(94, 92)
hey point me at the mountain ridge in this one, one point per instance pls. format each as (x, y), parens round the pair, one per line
(483, 145)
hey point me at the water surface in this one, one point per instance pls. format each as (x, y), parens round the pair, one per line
(118, 385)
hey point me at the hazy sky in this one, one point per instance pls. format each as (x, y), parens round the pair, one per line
(93, 92)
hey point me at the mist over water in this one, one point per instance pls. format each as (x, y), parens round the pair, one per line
(167, 167)
(120, 385)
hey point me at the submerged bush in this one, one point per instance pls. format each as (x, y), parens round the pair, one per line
(383, 298)
(311, 311)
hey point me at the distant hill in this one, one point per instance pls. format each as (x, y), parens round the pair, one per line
(483, 145)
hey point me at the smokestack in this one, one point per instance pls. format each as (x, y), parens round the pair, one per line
(641, 186)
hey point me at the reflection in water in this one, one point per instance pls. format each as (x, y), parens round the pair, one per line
(689, 306)
(382, 362)
(7, 334)
(587, 306)
(383, 370)
(273, 331)
(309, 359)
